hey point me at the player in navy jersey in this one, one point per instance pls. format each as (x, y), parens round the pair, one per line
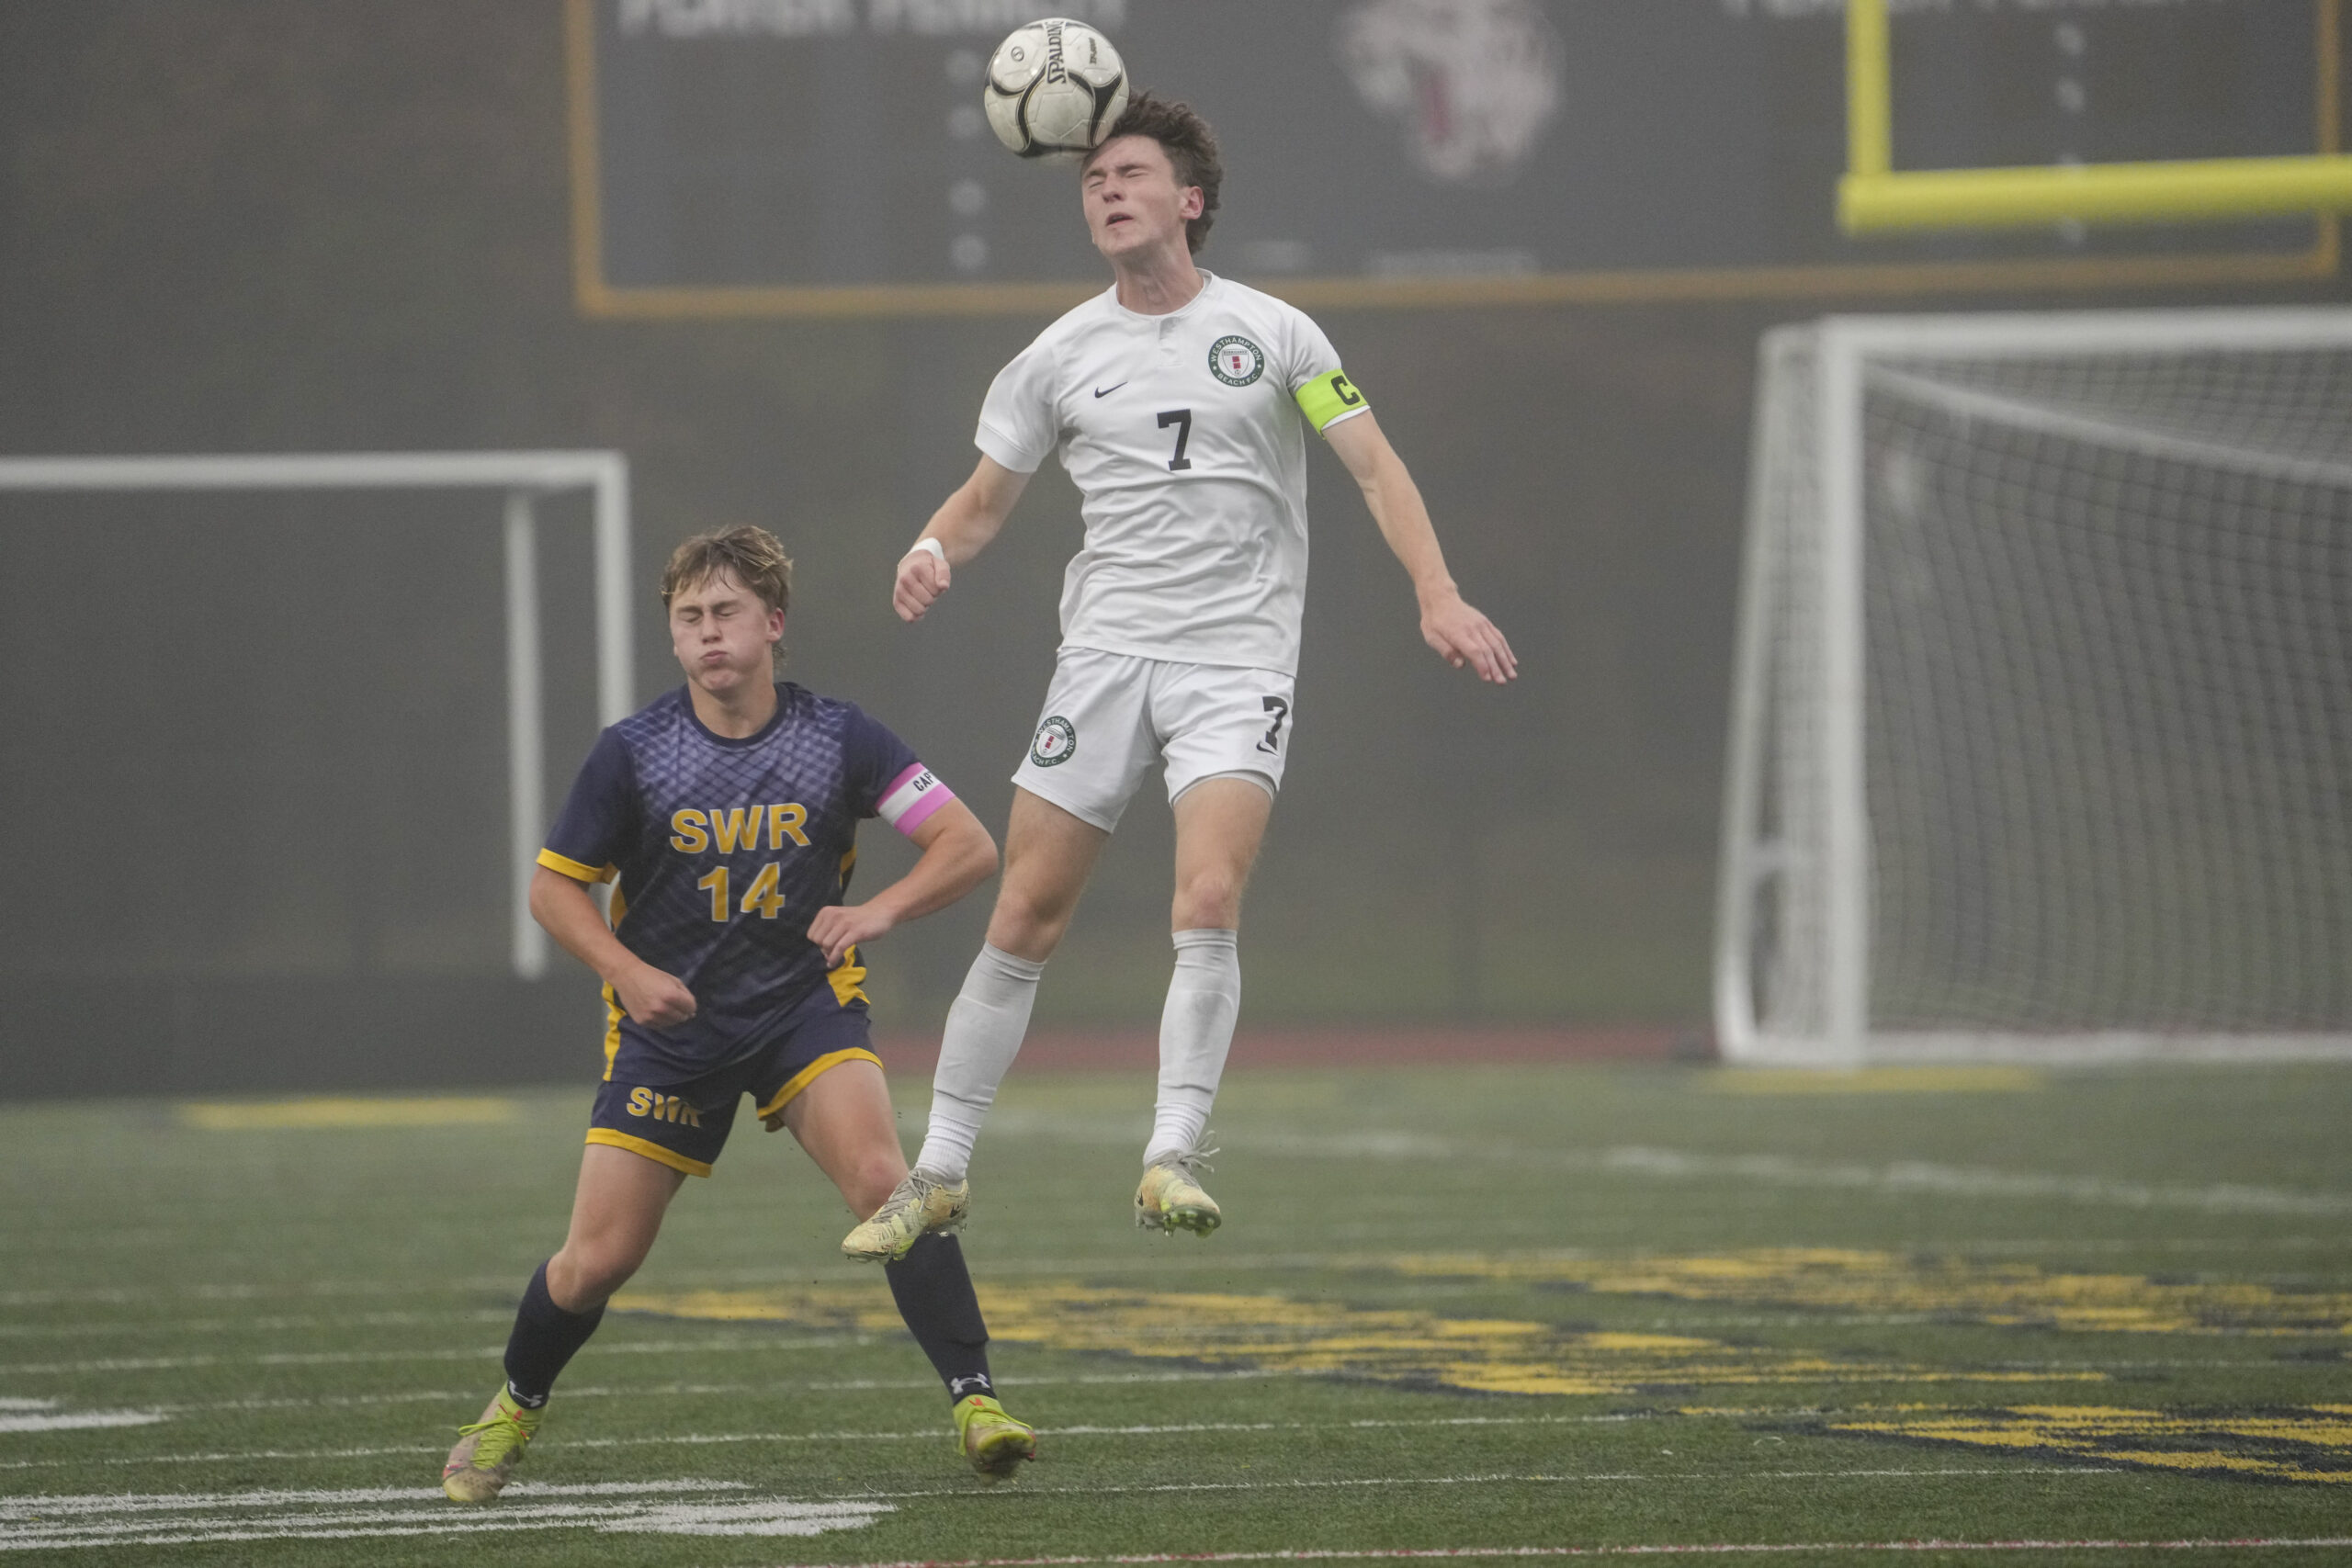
(725, 815)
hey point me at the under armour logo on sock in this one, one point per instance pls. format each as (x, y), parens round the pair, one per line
(977, 1382)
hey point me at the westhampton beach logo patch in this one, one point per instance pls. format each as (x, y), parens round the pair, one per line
(1056, 742)
(1236, 361)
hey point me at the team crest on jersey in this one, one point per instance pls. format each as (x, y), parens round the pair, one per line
(1056, 742)
(1236, 361)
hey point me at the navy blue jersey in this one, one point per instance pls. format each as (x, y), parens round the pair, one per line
(725, 849)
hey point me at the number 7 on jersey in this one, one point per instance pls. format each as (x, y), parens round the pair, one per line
(1182, 420)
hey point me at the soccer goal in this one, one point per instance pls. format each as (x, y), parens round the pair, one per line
(2041, 729)
(522, 476)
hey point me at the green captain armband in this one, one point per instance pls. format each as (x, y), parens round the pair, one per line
(1328, 397)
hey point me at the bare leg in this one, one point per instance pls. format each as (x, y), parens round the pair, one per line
(1219, 825)
(1048, 856)
(844, 1121)
(615, 1213)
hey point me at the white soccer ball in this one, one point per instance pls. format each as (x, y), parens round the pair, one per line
(1055, 87)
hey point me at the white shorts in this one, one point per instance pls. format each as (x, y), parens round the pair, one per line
(1109, 716)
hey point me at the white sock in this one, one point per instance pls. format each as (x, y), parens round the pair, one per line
(1195, 1031)
(983, 1036)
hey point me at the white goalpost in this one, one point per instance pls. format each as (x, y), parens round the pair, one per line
(2042, 723)
(523, 477)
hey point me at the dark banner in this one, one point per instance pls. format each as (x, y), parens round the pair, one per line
(767, 143)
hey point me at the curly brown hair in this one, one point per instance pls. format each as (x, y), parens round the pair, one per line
(1190, 144)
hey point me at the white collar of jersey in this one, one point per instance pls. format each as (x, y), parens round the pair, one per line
(1208, 285)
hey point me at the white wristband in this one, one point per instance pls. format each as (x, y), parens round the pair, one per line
(934, 545)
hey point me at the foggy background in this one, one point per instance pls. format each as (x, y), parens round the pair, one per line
(253, 813)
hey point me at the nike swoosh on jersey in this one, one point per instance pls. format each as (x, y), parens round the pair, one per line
(1106, 392)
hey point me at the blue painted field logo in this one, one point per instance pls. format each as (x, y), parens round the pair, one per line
(1056, 742)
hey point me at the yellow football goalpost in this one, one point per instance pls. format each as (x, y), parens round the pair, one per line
(1876, 198)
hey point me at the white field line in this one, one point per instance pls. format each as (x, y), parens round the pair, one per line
(249, 1325)
(925, 1435)
(681, 1390)
(30, 1522)
(15, 1508)
(353, 1357)
(1710, 1549)
(80, 1420)
(1223, 1262)
(1595, 1478)
(173, 1519)
(932, 1434)
(1272, 1141)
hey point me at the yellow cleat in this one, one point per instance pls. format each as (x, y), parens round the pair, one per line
(916, 1206)
(1171, 1200)
(993, 1441)
(488, 1451)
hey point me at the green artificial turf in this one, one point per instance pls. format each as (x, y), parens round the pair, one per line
(2097, 1307)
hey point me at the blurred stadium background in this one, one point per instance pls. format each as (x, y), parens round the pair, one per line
(255, 820)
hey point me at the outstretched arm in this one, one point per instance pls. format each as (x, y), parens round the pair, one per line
(957, 855)
(1459, 634)
(964, 525)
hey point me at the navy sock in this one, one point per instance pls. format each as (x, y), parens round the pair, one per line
(934, 1290)
(545, 1337)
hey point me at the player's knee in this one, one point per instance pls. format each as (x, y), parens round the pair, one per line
(587, 1271)
(870, 1182)
(1027, 924)
(1208, 900)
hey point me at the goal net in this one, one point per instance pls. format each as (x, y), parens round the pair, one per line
(2041, 739)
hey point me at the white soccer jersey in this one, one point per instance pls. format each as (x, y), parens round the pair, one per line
(1183, 434)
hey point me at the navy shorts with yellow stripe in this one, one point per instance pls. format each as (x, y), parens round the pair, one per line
(645, 1107)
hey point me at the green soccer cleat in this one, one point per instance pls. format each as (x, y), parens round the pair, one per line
(917, 1205)
(488, 1451)
(1169, 1199)
(993, 1441)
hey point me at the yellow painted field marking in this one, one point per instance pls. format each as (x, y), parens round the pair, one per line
(1282, 1333)
(1990, 1079)
(2308, 1443)
(329, 1110)
(2017, 1294)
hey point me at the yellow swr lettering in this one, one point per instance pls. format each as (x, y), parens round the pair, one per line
(785, 822)
(686, 834)
(737, 828)
(641, 1100)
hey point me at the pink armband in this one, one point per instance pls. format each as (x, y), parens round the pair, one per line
(909, 800)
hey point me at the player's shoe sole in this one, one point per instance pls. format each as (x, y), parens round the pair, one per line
(488, 1451)
(1170, 1201)
(916, 1207)
(990, 1440)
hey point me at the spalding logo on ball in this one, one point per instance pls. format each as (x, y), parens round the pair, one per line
(1055, 87)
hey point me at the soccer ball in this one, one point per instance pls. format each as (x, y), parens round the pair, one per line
(1055, 87)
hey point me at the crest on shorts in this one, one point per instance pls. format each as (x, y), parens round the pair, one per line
(1236, 361)
(1056, 742)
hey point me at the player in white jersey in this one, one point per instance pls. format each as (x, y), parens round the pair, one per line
(1178, 400)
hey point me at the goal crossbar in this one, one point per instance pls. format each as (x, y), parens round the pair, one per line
(523, 477)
